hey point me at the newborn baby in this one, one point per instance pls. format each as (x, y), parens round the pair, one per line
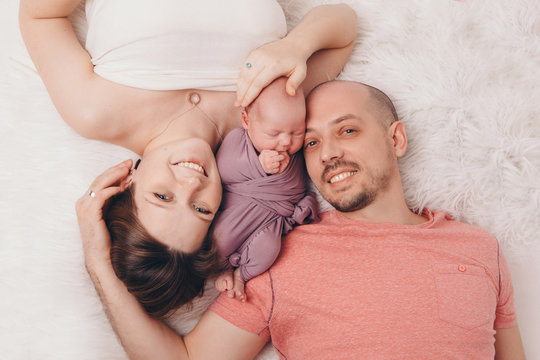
(264, 185)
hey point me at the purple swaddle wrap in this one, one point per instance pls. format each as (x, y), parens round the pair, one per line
(257, 209)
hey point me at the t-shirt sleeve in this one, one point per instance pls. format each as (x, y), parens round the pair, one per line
(253, 315)
(505, 315)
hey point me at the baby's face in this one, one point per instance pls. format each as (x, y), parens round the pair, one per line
(279, 128)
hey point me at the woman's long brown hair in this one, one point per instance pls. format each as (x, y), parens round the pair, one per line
(162, 279)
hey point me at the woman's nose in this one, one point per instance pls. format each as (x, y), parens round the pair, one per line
(190, 183)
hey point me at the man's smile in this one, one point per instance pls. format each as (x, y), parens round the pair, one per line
(341, 176)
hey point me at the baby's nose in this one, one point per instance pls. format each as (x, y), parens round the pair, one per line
(285, 140)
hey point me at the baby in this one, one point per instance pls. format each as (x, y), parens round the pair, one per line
(264, 186)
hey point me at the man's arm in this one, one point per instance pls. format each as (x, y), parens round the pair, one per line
(508, 345)
(142, 336)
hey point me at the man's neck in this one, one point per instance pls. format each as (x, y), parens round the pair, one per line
(386, 208)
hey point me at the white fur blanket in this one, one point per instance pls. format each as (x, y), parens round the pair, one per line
(464, 77)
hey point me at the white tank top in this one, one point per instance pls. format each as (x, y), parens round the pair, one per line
(178, 44)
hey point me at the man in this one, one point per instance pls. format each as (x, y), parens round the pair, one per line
(371, 280)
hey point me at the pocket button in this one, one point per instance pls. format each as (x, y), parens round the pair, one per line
(462, 268)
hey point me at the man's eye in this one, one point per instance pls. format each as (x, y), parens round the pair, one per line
(201, 210)
(348, 131)
(162, 197)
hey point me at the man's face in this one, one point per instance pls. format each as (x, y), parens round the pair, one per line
(349, 155)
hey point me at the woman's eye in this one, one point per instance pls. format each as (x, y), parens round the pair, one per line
(162, 197)
(311, 143)
(201, 210)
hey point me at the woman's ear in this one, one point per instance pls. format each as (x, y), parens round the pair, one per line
(129, 178)
(245, 119)
(399, 137)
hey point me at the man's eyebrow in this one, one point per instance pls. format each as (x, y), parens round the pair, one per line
(336, 121)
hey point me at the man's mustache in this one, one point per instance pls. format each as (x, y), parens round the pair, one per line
(336, 165)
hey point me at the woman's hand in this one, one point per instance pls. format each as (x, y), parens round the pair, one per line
(322, 41)
(267, 63)
(94, 233)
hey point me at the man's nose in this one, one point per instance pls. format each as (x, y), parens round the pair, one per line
(330, 151)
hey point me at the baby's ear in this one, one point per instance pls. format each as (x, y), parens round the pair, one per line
(245, 119)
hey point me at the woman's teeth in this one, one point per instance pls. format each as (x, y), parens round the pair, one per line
(341, 176)
(191, 165)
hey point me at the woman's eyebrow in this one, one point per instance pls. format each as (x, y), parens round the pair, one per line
(159, 204)
(195, 213)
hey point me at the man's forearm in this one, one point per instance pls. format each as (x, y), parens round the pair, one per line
(141, 336)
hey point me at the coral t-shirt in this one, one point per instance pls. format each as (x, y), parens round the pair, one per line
(342, 289)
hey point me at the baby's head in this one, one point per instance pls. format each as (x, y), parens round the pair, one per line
(276, 120)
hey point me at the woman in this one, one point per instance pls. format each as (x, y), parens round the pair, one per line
(176, 190)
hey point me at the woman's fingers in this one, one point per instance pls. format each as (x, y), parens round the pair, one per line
(260, 81)
(111, 176)
(102, 189)
(245, 81)
(251, 84)
(103, 195)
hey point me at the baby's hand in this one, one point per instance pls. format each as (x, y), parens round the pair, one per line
(273, 162)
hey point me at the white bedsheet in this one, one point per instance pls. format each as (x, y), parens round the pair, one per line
(464, 77)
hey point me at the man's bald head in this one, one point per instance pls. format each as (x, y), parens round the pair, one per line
(377, 102)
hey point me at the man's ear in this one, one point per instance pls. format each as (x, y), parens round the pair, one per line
(245, 119)
(399, 136)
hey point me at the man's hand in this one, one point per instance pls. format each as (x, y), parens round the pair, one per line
(274, 162)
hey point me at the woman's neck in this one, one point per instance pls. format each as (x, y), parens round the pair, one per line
(174, 116)
(191, 123)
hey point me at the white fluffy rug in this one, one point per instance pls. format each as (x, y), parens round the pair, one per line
(464, 76)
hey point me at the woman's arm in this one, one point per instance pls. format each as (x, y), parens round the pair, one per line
(142, 336)
(319, 46)
(93, 106)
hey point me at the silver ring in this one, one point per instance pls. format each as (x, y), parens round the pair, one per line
(92, 194)
(248, 65)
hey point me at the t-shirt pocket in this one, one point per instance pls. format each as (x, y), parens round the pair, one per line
(464, 295)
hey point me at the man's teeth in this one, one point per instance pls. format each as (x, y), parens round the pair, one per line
(191, 165)
(341, 176)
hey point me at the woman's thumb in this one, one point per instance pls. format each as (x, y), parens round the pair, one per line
(294, 81)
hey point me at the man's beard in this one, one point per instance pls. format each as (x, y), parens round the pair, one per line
(376, 182)
(356, 202)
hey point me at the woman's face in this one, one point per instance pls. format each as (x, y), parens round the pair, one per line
(178, 192)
